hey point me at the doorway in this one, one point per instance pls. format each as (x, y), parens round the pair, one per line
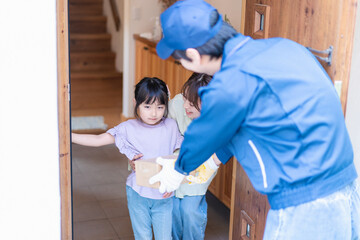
(64, 117)
(99, 209)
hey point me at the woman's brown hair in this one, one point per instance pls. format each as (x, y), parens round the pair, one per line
(192, 85)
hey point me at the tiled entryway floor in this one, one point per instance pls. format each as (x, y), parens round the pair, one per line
(99, 198)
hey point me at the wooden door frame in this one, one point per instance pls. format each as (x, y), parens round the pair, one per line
(64, 117)
(233, 186)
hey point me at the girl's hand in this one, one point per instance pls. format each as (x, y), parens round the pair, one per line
(132, 165)
(132, 162)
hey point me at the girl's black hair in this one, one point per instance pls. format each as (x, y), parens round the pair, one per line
(215, 46)
(149, 90)
(192, 85)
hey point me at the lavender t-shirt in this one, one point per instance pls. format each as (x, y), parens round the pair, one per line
(134, 137)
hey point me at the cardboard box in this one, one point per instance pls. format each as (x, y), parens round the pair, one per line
(146, 168)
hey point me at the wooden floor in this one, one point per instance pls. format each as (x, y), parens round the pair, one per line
(99, 199)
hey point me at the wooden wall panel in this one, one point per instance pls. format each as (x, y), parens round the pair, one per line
(149, 64)
(64, 118)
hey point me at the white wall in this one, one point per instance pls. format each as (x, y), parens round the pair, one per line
(353, 101)
(116, 36)
(230, 8)
(139, 17)
(29, 155)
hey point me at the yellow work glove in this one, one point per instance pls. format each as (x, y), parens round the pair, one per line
(203, 172)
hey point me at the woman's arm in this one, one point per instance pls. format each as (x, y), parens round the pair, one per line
(216, 160)
(92, 140)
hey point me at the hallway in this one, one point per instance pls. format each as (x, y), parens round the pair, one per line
(99, 197)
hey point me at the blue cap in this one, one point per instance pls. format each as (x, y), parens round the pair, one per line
(186, 24)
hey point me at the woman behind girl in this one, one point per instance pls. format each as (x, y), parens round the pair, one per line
(190, 206)
(152, 135)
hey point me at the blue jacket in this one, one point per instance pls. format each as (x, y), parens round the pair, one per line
(275, 109)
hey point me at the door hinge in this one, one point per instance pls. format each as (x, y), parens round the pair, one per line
(328, 51)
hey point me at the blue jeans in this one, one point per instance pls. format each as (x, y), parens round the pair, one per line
(335, 217)
(146, 212)
(189, 218)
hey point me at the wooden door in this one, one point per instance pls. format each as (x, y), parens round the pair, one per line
(317, 24)
(248, 210)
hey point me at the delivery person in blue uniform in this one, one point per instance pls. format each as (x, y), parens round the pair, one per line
(272, 106)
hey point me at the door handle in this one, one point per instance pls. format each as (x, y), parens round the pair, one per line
(328, 51)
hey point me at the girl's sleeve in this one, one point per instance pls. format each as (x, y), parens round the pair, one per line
(121, 142)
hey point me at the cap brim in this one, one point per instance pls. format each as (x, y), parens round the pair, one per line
(163, 50)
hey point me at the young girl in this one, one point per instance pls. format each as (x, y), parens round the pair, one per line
(190, 207)
(152, 135)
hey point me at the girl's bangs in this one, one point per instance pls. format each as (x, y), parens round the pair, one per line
(159, 96)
